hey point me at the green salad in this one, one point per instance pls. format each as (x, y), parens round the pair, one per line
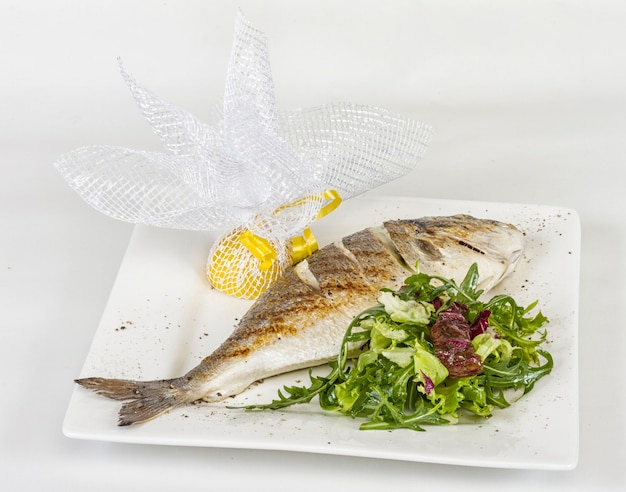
(430, 353)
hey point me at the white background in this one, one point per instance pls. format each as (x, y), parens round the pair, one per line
(528, 103)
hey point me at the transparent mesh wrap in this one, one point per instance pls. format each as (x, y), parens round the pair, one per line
(250, 168)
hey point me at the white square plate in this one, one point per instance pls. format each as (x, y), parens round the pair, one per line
(162, 318)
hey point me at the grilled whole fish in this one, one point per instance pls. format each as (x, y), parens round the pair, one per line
(300, 320)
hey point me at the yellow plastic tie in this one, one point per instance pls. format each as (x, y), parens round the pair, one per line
(335, 198)
(260, 248)
(240, 275)
(303, 246)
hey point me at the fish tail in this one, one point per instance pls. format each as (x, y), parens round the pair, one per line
(143, 400)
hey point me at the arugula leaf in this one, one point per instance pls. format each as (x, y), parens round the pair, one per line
(397, 381)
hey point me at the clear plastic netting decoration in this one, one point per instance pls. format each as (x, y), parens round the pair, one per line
(250, 169)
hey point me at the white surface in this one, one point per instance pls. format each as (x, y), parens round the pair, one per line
(528, 104)
(162, 319)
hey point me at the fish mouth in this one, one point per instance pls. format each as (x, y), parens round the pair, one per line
(510, 262)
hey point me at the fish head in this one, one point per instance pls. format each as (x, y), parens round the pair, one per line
(447, 246)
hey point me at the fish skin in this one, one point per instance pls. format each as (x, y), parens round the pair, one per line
(300, 320)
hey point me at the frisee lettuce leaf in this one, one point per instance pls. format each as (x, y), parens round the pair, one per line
(397, 381)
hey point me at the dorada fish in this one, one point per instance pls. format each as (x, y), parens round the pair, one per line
(300, 320)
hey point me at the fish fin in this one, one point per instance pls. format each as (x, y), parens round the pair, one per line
(144, 400)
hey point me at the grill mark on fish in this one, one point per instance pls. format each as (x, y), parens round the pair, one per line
(301, 319)
(469, 246)
(376, 256)
(341, 280)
